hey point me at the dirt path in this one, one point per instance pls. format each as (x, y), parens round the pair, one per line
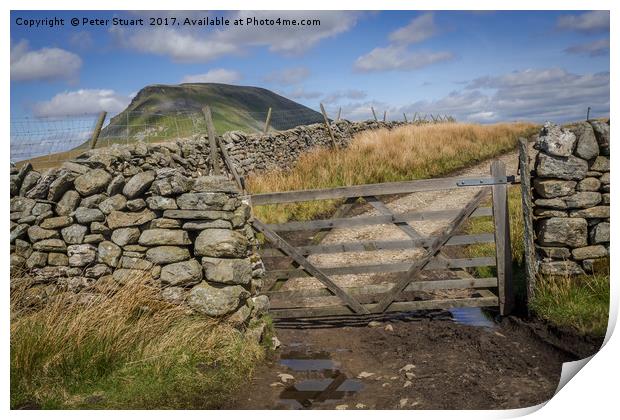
(409, 362)
(405, 364)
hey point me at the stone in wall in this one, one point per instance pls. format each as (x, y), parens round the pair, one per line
(570, 182)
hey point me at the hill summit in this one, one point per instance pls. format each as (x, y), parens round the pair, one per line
(161, 112)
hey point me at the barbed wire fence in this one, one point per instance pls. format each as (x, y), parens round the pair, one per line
(48, 141)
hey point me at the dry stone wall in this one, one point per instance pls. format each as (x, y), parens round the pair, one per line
(280, 150)
(570, 180)
(152, 211)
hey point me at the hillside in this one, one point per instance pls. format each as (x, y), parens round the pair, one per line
(160, 112)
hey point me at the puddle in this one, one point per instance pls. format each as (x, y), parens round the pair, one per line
(324, 382)
(475, 317)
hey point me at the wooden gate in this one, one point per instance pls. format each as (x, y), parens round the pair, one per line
(401, 295)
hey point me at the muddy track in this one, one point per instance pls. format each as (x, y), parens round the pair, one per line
(406, 364)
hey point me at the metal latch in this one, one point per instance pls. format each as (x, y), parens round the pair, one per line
(476, 182)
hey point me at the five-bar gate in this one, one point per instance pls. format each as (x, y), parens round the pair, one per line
(401, 295)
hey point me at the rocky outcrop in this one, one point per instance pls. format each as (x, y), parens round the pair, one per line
(570, 196)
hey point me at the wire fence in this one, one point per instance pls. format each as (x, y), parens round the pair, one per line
(50, 140)
(39, 136)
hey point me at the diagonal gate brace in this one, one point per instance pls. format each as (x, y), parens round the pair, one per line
(433, 250)
(275, 239)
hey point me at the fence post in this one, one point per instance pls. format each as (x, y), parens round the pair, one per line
(588, 115)
(329, 129)
(267, 121)
(374, 114)
(384, 115)
(405, 116)
(528, 224)
(503, 250)
(338, 116)
(97, 130)
(212, 143)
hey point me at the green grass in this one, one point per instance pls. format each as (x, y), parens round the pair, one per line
(126, 350)
(580, 303)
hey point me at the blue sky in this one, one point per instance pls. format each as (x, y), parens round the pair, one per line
(476, 66)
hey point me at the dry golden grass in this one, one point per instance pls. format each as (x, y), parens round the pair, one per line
(129, 348)
(404, 153)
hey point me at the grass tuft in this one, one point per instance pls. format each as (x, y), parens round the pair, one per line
(128, 350)
(580, 303)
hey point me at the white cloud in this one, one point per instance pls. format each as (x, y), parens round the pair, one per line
(180, 46)
(83, 101)
(82, 40)
(200, 45)
(214, 76)
(301, 93)
(419, 29)
(588, 22)
(398, 57)
(288, 76)
(344, 94)
(593, 49)
(43, 64)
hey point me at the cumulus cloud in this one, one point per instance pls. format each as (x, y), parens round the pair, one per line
(593, 49)
(344, 94)
(288, 76)
(588, 22)
(82, 101)
(199, 45)
(213, 76)
(398, 57)
(44, 64)
(419, 29)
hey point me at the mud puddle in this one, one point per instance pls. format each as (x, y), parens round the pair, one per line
(318, 380)
(474, 317)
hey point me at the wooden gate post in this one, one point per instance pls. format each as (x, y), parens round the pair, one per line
(503, 250)
(374, 114)
(267, 121)
(212, 143)
(97, 130)
(528, 223)
(329, 128)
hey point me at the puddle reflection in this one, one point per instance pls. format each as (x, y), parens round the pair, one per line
(475, 317)
(333, 384)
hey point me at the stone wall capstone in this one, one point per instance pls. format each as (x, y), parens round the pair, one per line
(570, 201)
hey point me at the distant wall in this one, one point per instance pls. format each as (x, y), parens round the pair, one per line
(570, 183)
(280, 150)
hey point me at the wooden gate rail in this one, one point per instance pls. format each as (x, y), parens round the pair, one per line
(436, 264)
(388, 188)
(374, 220)
(418, 286)
(368, 246)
